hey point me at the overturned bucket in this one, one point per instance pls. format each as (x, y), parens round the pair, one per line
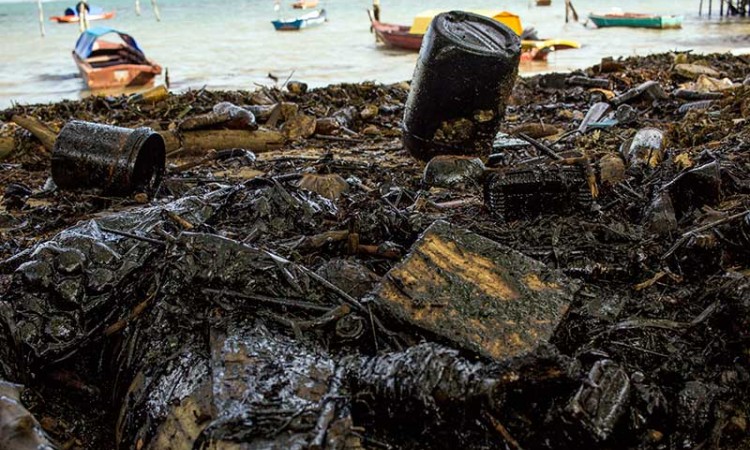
(464, 75)
(118, 161)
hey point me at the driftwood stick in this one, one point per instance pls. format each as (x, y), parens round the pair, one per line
(328, 413)
(684, 238)
(132, 236)
(329, 317)
(285, 302)
(134, 313)
(319, 240)
(500, 428)
(261, 140)
(338, 138)
(210, 156)
(39, 129)
(539, 146)
(335, 289)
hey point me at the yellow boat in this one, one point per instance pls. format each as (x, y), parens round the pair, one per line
(532, 50)
(423, 19)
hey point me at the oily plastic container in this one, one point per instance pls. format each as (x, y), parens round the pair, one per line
(464, 75)
(114, 160)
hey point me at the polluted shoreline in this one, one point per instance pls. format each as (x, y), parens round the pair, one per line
(299, 280)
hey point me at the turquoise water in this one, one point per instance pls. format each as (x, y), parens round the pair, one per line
(231, 44)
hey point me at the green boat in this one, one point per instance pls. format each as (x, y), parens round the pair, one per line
(635, 20)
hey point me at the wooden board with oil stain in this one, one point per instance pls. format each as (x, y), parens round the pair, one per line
(476, 293)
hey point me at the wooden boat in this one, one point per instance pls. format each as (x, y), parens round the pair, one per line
(403, 37)
(395, 36)
(94, 13)
(104, 64)
(304, 21)
(635, 20)
(305, 4)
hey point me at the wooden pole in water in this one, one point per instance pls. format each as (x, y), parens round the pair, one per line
(41, 16)
(83, 18)
(138, 7)
(570, 8)
(376, 9)
(700, 8)
(156, 10)
(710, 5)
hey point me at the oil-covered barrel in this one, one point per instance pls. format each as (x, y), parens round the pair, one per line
(115, 160)
(465, 72)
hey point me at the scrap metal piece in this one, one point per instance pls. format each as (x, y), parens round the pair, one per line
(528, 192)
(475, 293)
(601, 399)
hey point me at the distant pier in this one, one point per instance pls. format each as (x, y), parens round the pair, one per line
(727, 7)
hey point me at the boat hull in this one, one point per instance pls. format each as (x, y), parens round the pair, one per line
(397, 36)
(76, 19)
(116, 76)
(299, 23)
(636, 21)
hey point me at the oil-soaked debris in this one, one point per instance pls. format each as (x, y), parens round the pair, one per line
(453, 171)
(474, 293)
(299, 280)
(18, 428)
(515, 193)
(602, 398)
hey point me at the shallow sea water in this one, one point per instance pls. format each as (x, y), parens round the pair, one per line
(231, 44)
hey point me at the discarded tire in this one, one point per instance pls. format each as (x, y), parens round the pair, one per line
(115, 160)
(466, 69)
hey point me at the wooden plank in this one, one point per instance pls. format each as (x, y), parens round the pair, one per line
(475, 293)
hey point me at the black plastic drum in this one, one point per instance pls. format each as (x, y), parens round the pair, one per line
(464, 75)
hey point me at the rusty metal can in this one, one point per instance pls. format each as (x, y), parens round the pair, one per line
(464, 75)
(115, 160)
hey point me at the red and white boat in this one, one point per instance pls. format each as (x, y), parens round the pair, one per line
(93, 13)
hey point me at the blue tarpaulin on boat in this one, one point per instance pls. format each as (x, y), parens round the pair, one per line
(85, 43)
